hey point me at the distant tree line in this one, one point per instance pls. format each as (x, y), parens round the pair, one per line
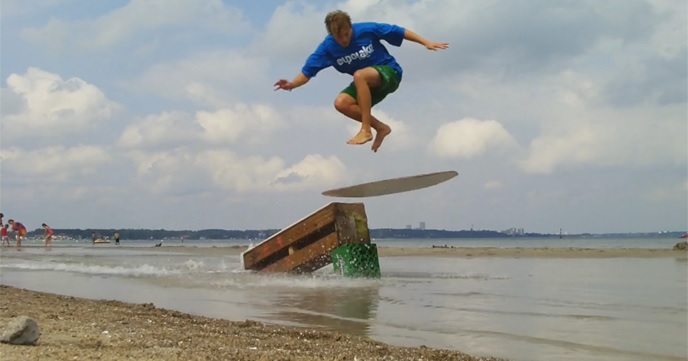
(262, 234)
(159, 233)
(380, 233)
(441, 233)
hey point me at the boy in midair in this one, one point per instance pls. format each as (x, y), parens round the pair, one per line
(355, 49)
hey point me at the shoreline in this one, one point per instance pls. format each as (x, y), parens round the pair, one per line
(478, 252)
(430, 251)
(77, 328)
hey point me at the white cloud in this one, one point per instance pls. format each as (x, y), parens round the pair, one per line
(469, 137)
(163, 130)
(230, 172)
(549, 151)
(138, 16)
(242, 123)
(567, 122)
(179, 153)
(602, 137)
(54, 163)
(313, 171)
(214, 78)
(578, 128)
(312, 117)
(293, 32)
(12, 8)
(670, 37)
(493, 184)
(246, 123)
(45, 104)
(185, 170)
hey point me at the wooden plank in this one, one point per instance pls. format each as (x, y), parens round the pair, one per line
(352, 223)
(285, 238)
(305, 245)
(307, 259)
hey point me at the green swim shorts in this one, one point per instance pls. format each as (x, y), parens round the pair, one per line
(390, 83)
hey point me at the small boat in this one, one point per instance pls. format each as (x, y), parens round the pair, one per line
(97, 241)
(684, 236)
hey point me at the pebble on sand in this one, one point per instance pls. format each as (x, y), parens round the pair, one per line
(20, 330)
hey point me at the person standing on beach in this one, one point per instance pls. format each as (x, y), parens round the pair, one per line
(355, 49)
(48, 234)
(20, 230)
(5, 235)
(116, 237)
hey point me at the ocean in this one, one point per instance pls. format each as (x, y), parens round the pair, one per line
(516, 308)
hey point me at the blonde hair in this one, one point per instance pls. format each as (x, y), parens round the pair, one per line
(336, 21)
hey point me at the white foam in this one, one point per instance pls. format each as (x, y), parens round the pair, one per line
(193, 265)
(136, 271)
(317, 281)
(468, 276)
(447, 275)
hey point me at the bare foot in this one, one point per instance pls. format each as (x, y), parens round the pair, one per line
(380, 136)
(361, 138)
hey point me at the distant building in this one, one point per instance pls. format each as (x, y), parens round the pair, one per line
(513, 231)
(421, 225)
(408, 226)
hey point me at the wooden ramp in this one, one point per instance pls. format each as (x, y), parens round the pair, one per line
(306, 245)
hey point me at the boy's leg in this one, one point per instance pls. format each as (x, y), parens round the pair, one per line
(347, 105)
(348, 101)
(365, 79)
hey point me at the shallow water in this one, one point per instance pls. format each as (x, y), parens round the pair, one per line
(517, 308)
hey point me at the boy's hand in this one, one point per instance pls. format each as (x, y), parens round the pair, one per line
(284, 84)
(431, 45)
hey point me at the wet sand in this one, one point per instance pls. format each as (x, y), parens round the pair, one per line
(80, 329)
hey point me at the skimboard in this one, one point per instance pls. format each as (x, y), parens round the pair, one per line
(393, 185)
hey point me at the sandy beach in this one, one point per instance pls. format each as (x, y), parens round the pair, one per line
(81, 329)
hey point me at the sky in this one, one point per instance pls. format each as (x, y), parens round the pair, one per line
(157, 114)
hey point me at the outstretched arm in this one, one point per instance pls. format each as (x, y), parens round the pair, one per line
(430, 45)
(298, 81)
